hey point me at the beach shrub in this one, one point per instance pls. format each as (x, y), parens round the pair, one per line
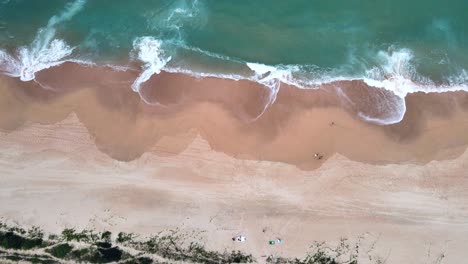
(320, 258)
(16, 229)
(171, 245)
(11, 240)
(106, 236)
(123, 237)
(138, 260)
(79, 253)
(88, 255)
(60, 251)
(100, 249)
(30, 258)
(35, 232)
(239, 257)
(110, 254)
(168, 246)
(96, 255)
(321, 253)
(103, 244)
(88, 236)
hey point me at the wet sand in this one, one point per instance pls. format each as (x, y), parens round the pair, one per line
(87, 152)
(230, 116)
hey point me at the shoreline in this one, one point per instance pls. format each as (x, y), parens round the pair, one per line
(298, 125)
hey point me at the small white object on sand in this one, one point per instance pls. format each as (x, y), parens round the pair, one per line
(240, 238)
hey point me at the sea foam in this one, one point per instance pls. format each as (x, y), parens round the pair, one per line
(150, 52)
(45, 51)
(395, 72)
(271, 77)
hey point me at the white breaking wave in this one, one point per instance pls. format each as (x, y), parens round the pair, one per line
(44, 52)
(150, 52)
(271, 77)
(152, 55)
(394, 72)
(199, 74)
(398, 75)
(260, 69)
(50, 55)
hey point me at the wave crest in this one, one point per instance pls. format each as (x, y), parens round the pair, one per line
(150, 52)
(45, 51)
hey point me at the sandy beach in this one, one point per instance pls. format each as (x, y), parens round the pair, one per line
(204, 154)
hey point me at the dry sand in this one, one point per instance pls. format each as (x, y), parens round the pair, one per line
(94, 156)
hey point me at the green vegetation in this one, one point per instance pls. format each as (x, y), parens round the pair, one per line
(22, 256)
(60, 250)
(320, 253)
(106, 236)
(110, 254)
(88, 246)
(169, 246)
(125, 237)
(11, 240)
(138, 260)
(87, 236)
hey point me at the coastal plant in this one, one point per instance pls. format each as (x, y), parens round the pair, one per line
(12, 240)
(106, 236)
(88, 236)
(60, 250)
(15, 257)
(139, 260)
(172, 245)
(321, 253)
(88, 246)
(123, 237)
(35, 232)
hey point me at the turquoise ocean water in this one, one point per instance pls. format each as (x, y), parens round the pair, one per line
(402, 46)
